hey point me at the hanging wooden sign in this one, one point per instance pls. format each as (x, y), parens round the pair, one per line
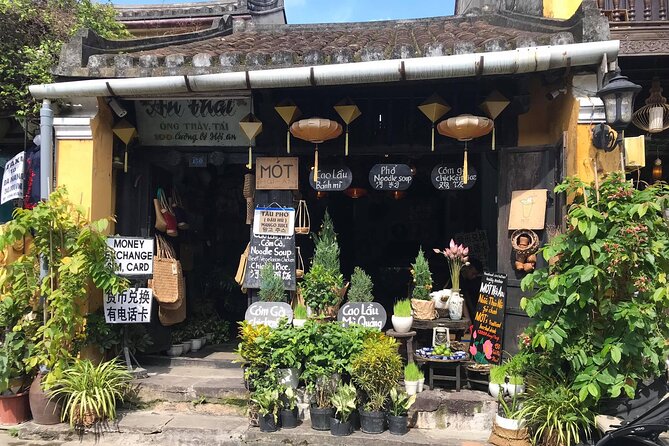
(528, 209)
(274, 221)
(489, 320)
(277, 173)
(390, 177)
(449, 177)
(367, 314)
(332, 179)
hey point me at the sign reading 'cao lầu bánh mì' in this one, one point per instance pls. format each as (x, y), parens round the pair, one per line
(194, 122)
(331, 179)
(367, 314)
(489, 320)
(390, 177)
(133, 256)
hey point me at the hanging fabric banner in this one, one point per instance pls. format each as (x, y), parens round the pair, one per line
(12, 179)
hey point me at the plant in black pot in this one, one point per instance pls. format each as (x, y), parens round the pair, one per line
(288, 413)
(322, 410)
(376, 369)
(398, 419)
(344, 402)
(268, 403)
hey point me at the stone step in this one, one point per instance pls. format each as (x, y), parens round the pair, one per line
(213, 357)
(451, 411)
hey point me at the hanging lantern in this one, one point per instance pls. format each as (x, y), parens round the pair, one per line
(251, 126)
(348, 112)
(316, 130)
(398, 194)
(126, 132)
(356, 192)
(434, 108)
(289, 112)
(299, 264)
(302, 220)
(657, 169)
(654, 116)
(465, 128)
(493, 106)
(321, 194)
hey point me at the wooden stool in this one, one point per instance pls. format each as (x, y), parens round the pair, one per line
(438, 364)
(405, 339)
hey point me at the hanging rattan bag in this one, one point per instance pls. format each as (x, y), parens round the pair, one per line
(167, 274)
(170, 317)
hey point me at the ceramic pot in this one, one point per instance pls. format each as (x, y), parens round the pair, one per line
(187, 346)
(398, 425)
(175, 350)
(508, 423)
(514, 389)
(440, 299)
(320, 417)
(288, 418)
(299, 322)
(411, 387)
(289, 377)
(268, 423)
(402, 324)
(372, 422)
(340, 428)
(44, 409)
(421, 384)
(494, 389)
(455, 303)
(203, 340)
(196, 344)
(14, 409)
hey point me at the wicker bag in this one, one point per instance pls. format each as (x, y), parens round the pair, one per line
(506, 437)
(170, 317)
(167, 274)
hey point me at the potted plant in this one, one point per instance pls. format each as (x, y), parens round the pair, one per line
(508, 416)
(497, 382)
(177, 347)
(299, 316)
(515, 385)
(402, 319)
(253, 351)
(411, 376)
(284, 353)
(271, 285)
(90, 392)
(361, 286)
(322, 410)
(344, 402)
(398, 420)
(376, 369)
(267, 401)
(288, 413)
(421, 302)
(457, 256)
(14, 382)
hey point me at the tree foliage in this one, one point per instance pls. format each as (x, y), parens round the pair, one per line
(32, 33)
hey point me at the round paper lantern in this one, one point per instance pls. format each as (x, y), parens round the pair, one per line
(465, 128)
(316, 130)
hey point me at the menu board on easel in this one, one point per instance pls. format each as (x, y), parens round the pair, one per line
(489, 320)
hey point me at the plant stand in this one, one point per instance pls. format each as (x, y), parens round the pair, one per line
(433, 364)
(406, 339)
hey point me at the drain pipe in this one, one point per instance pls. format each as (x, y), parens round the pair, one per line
(46, 149)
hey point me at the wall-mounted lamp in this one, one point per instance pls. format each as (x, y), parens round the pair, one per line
(618, 97)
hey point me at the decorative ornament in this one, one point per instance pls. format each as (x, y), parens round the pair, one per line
(525, 243)
(348, 112)
(316, 130)
(493, 106)
(654, 116)
(302, 220)
(251, 126)
(465, 128)
(657, 167)
(434, 108)
(249, 191)
(126, 132)
(289, 112)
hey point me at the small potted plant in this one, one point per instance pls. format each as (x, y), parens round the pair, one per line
(361, 286)
(267, 401)
(421, 380)
(421, 302)
(299, 316)
(515, 385)
(398, 419)
(411, 376)
(271, 285)
(402, 319)
(288, 413)
(497, 380)
(177, 347)
(508, 416)
(283, 347)
(344, 402)
(194, 333)
(322, 410)
(14, 383)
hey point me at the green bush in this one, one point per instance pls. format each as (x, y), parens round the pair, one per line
(320, 288)
(377, 369)
(271, 285)
(300, 312)
(412, 372)
(422, 278)
(402, 308)
(361, 286)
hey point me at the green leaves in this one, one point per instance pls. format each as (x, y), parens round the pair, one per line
(585, 252)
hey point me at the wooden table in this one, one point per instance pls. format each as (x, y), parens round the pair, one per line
(437, 363)
(406, 339)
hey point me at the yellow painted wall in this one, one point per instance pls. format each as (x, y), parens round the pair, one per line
(560, 9)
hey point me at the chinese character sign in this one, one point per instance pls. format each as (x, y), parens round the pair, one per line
(133, 306)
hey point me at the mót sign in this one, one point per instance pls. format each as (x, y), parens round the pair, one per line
(277, 173)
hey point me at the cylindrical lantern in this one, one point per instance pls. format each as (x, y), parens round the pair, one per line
(657, 169)
(656, 119)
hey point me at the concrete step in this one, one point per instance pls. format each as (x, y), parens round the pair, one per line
(211, 356)
(451, 411)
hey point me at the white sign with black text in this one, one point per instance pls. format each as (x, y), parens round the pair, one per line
(133, 256)
(133, 306)
(12, 179)
(274, 221)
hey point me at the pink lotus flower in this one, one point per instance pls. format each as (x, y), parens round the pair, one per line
(472, 350)
(474, 334)
(487, 349)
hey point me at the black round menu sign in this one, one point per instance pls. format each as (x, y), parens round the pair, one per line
(331, 178)
(390, 177)
(449, 177)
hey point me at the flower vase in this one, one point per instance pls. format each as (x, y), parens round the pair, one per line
(455, 303)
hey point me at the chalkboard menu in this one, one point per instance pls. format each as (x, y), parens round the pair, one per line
(332, 179)
(268, 313)
(449, 177)
(390, 177)
(367, 314)
(275, 249)
(489, 320)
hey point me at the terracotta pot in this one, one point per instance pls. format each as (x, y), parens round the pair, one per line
(14, 409)
(44, 410)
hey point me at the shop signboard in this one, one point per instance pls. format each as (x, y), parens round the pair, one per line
(390, 177)
(449, 177)
(133, 256)
(279, 250)
(193, 122)
(268, 313)
(274, 221)
(132, 306)
(367, 314)
(277, 173)
(12, 179)
(332, 179)
(489, 320)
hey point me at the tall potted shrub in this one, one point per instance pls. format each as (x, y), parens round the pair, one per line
(77, 255)
(361, 286)
(421, 302)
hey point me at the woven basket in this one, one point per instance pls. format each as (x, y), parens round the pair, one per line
(423, 309)
(506, 437)
(170, 317)
(167, 274)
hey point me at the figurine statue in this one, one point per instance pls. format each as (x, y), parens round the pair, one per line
(525, 244)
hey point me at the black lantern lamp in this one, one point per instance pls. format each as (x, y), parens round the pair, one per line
(618, 97)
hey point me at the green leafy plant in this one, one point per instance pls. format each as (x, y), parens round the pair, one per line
(400, 402)
(412, 372)
(516, 380)
(91, 392)
(271, 285)
(498, 374)
(343, 401)
(402, 308)
(289, 398)
(320, 288)
(422, 278)
(326, 252)
(283, 347)
(377, 369)
(361, 286)
(267, 400)
(509, 408)
(300, 312)
(106, 337)
(598, 311)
